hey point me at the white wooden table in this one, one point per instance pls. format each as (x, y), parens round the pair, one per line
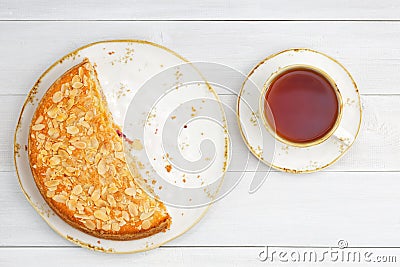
(356, 199)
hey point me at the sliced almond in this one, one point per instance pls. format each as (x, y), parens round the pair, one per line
(90, 131)
(101, 215)
(70, 169)
(39, 119)
(70, 103)
(112, 190)
(89, 115)
(91, 189)
(96, 195)
(57, 97)
(146, 224)
(77, 85)
(94, 142)
(130, 191)
(79, 145)
(111, 201)
(53, 189)
(56, 146)
(85, 124)
(133, 209)
(74, 92)
(52, 112)
(146, 215)
(80, 207)
(61, 117)
(71, 204)
(102, 167)
(38, 127)
(115, 227)
(50, 194)
(98, 224)
(125, 215)
(106, 227)
(83, 216)
(72, 130)
(52, 183)
(54, 160)
(41, 136)
(63, 154)
(60, 198)
(75, 79)
(77, 190)
(81, 73)
(90, 225)
(53, 132)
(64, 87)
(100, 203)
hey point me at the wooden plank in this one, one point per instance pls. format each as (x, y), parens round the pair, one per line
(163, 256)
(376, 149)
(167, 256)
(369, 50)
(10, 107)
(288, 210)
(195, 10)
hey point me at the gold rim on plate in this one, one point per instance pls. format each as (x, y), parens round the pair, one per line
(17, 148)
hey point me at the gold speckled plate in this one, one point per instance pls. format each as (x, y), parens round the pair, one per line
(287, 157)
(123, 66)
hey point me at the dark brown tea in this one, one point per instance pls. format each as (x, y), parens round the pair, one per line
(304, 105)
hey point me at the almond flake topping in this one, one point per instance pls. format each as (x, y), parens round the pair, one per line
(38, 127)
(101, 215)
(60, 198)
(52, 183)
(77, 85)
(72, 130)
(102, 167)
(81, 161)
(146, 224)
(130, 191)
(77, 190)
(57, 97)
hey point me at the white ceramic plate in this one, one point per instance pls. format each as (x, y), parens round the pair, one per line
(123, 66)
(291, 158)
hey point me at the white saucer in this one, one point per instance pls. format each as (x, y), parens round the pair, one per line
(280, 155)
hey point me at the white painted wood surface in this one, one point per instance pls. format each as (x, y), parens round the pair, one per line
(356, 199)
(369, 50)
(199, 10)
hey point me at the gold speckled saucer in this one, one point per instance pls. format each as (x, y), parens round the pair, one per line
(285, 157)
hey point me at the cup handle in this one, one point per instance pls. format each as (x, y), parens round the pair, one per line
(343, 136)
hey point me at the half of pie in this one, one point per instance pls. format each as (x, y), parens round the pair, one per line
(77, 161)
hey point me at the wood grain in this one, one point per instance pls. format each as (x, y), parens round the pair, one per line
(199, 10)
(173, 256)
(355, 199)
(313, 210)
(376, 149)
(369, 50)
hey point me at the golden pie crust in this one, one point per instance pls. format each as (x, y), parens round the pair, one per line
(77, 160)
